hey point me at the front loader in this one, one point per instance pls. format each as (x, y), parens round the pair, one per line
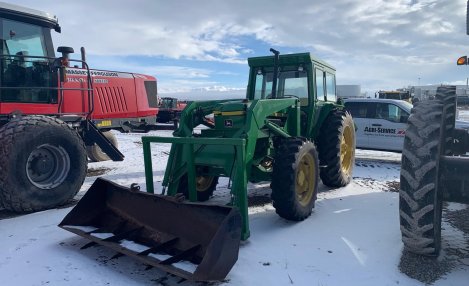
(289, 130)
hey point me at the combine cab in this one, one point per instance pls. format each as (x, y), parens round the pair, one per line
(289, 125)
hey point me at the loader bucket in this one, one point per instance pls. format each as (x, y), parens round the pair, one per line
(193, 241)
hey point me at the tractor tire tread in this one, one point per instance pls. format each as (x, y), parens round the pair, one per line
(9, 134)
(419, 205)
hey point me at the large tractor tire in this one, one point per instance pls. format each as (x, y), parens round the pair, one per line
(96, 154)
(42, 163)
(420, 204)
(336, 146)
(205, 186)
(295, 179)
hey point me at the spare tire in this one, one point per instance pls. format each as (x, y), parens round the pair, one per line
(42, 163)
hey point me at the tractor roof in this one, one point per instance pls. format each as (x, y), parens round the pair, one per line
(28, 15)
(286, 59)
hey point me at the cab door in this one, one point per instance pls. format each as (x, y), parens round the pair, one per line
(359, 111)
(388, 126)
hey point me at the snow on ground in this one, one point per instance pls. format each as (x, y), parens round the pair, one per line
(352, 237)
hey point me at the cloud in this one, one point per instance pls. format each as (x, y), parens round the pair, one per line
(371, 42)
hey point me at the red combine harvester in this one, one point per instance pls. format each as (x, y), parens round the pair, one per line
(56, 111)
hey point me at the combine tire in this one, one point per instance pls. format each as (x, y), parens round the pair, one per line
(420, 203)
(205, 186)
(42, 163)
(336, 145)
(295, 179)
(96, 154)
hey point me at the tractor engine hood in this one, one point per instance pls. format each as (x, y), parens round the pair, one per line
(230, 115)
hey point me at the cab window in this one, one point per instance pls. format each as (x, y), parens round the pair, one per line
(21, 70)
(357, 109)
(391, 112)
(291, 82)
(320, 92)
(330, 87)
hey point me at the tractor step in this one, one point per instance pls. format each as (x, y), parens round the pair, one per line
(193, 241)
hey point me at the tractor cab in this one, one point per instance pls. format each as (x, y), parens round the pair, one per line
(168, 103)
(299, 77)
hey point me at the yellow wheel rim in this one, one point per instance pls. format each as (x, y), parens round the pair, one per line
(346, 150)
(305, 179)
(203, 183)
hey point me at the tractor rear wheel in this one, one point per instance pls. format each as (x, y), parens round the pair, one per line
(42, 163)
(420, 203)
(295, 179)
(96, 154)
(336, 145)
(205, 186)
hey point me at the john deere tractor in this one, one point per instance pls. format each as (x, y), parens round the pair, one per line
(289, 130)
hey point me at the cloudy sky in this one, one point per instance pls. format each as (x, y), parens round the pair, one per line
(204, 44)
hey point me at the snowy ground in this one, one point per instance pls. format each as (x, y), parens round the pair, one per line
(352, 238)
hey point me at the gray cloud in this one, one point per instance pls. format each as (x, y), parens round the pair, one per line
(379, 44)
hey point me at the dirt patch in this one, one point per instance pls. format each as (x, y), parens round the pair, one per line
(393, 186)
(259, 200)
(93, 172)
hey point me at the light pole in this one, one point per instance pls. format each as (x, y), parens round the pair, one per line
(419, 81)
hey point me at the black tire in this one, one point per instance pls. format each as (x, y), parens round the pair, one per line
(42, 163)
(295, 170)
(175, 124)
(420, 204)
(96, 154)
(205, 187)
(336, 146)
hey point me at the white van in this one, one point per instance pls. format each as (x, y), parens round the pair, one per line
(381, 123)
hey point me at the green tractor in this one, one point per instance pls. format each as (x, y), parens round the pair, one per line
(290, 130)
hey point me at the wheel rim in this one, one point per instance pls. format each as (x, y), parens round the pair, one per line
(47, 166)
(203, 183)
(346, 150)
(305, 179)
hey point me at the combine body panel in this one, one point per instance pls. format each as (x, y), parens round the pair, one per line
(117, 95)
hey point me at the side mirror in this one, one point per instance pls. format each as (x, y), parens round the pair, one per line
(404, 118)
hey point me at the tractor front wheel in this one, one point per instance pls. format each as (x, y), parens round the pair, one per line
(295, 179)
(205, 186)
(336, 147)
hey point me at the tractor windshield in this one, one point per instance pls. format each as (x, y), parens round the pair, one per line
(168, 103)
(290, 83)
